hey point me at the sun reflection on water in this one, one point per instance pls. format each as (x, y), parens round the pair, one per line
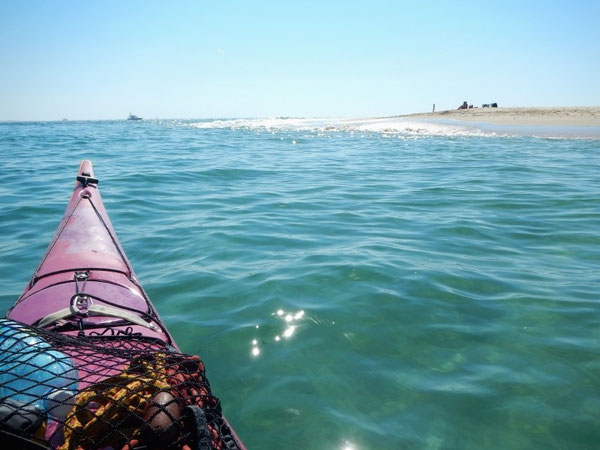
(289, 331)
(290, 322)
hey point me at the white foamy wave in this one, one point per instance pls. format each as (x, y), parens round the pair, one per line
(277, 123)
(387, 125)
(400, 125)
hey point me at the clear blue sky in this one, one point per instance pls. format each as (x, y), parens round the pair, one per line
(226, 58)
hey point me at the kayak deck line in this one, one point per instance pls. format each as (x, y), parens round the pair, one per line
(85, 241)
(86, 360)
(66, 276)
(85, 195)
(91, 309)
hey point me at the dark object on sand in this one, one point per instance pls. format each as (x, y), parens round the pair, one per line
(465, 105)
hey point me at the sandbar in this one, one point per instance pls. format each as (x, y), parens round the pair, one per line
(548, 116)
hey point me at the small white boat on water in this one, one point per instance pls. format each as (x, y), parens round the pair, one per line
(133, 117)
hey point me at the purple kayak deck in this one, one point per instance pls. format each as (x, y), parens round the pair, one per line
(86, 258)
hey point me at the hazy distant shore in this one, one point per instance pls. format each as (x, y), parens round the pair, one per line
(553, 116)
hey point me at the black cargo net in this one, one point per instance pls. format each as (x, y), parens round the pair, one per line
(104, 392)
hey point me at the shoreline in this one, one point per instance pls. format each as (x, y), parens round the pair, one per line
(525, 116)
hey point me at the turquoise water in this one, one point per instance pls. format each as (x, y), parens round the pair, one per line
(347, 288)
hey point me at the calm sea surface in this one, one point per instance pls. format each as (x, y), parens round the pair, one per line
(347, 288)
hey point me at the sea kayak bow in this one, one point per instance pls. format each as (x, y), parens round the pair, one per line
(85, 303)
(85, 278)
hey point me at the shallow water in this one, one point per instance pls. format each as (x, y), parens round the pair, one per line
(347, 286)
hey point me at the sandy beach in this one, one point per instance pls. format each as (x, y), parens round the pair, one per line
(553, 116)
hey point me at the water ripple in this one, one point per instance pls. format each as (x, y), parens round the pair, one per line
(449, 285)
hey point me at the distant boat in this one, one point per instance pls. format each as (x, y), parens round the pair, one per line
(133, 117)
